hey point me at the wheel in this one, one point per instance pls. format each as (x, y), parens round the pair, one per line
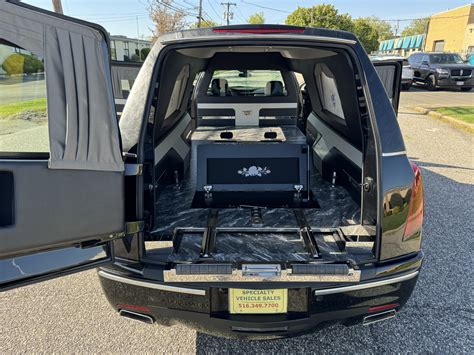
(466, 89)
(406, 87)
(430, 82)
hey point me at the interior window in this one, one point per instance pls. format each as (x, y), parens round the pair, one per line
(178, 91)
(23, 114)
(247, 83)
(330, 99)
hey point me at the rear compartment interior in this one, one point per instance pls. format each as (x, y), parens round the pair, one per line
(268, 171)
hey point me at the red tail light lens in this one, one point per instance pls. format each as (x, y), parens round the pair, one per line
(382, 308)
(416, 209)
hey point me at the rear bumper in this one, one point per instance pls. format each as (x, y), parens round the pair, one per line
(310, 307)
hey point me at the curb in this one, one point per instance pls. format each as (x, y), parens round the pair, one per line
(448, 119)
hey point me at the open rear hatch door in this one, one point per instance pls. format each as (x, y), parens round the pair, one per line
(59, 209)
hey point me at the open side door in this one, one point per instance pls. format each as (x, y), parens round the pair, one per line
(61, 168)
(390, 73)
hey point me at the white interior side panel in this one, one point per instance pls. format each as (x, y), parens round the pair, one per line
(330, 139)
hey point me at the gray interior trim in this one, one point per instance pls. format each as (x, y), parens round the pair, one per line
(153, 285)
(333, 140)
(364, 286)
(247, 114)
(174, 140)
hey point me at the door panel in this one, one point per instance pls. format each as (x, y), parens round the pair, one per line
(390, 73)
(61, 168)
(53, 208)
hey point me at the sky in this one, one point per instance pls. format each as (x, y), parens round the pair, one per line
(130, 17)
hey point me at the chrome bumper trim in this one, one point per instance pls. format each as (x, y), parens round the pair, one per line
(364, 286)
(156, 286)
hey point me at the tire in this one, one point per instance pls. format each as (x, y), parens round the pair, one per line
(430, 83)
(466, 89)
(406, 87)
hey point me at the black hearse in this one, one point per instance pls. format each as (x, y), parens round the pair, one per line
(256, 184)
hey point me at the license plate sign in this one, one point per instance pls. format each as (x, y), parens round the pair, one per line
(460, 83)
(245, 301)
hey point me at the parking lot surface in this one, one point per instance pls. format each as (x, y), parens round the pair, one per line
(70, 314)
(418, 96)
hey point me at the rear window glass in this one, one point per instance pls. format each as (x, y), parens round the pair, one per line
(247, 83)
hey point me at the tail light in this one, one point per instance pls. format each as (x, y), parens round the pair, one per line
(416, 209)
(383, 308)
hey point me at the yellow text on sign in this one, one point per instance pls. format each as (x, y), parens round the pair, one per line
(258, 301)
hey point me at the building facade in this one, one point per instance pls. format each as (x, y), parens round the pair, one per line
(452, 31)
(447, 31)
(127, 49)
(403, 46)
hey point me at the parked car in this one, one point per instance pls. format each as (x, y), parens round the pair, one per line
(407, 71)
(441, 70)
(226, 198)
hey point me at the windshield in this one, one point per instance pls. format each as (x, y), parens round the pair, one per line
(445, 59)
(247, 83)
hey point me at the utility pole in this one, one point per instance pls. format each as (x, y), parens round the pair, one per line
(228, 15)
(58, 7)
(200, 14)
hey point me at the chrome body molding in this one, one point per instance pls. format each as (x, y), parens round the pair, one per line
(394, 154)
(367, 285)
(240, 276)
(153, 285)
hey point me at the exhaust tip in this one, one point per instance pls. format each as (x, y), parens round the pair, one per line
(379, 317)
(136, 316)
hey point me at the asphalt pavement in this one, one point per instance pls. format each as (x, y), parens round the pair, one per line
(70, 314)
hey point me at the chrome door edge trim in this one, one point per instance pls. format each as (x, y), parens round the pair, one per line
(394, 154)
(153, 285)
(364, 286)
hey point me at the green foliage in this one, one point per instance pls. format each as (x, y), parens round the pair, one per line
(416, 27)
(257, 18)
(367, 34)
(144, 52)
(370, 30)
(323, 15)
(20, 63)
(135, 58)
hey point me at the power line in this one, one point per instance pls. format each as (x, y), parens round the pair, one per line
(266, 8)
(213, 9)
(240, 14)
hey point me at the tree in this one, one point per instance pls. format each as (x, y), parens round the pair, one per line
(256, 19)
(416, 27)
(165, 16)
(367, 33)
(20, 63)
(323, 15)
(144, 52)
(383, 28)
